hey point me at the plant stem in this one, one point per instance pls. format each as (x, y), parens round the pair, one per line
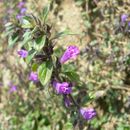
(73, 100)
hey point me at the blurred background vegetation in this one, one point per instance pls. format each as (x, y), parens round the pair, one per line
(103, 66)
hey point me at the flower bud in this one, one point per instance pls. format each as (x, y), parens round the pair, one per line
(67, 102)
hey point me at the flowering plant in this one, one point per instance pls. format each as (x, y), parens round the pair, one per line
(37, 49)
(66, 86)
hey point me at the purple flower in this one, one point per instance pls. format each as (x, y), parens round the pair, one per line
(21, 4)
(62, 88)
(23, 53)
(33, 77)
(88, 113)
(23, 10)
(71, 53)
(124, 18)
(67, 101)
(19, 16)
(13, 88)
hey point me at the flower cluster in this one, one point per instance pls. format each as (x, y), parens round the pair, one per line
(71, 53)
(65, 88)
(22, 10)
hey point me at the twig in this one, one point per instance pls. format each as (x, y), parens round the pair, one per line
(122, 88)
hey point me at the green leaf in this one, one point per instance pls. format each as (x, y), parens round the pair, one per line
(68, 67)
(26, 37)
(45, 72)
(68, 126)
(64, 33)
(9, 28)
(12, 40)
(79, 2)
(73, 76)
(8, 24)
(31, 54)
(34, 67)
(40, 42)
(120, 128)
(27, 22)
(94, 42)
(58, 52)
(116, 49)
(46, 12)
(87, 24)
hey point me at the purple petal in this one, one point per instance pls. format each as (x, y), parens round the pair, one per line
(23, 53)
(21, 4)
(124, 18)
(88, 113)
(71, 53)
(23, 10)
(13, 89)
(67, 102)
(65, 89)
(19, 16)
(62, 88)
(33, 76)
(57, 87)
